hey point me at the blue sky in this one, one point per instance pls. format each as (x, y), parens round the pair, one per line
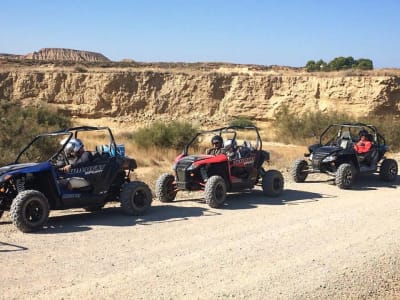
(282, 32)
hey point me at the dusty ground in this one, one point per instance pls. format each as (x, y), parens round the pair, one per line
(315, 241)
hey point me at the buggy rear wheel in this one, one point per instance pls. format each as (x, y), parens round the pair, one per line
(135, 198)
(29, 210)
(345, 176)
(272, 183)
(388, 170)
(215, 191)
(165, 188)
(297, 170)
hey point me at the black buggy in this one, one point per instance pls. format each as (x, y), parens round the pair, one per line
(335, 155)
(34, 183)
(239, 170)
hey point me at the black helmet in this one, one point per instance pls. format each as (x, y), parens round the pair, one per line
(217, 139)
(363, 132)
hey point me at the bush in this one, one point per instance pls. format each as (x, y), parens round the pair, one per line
(241, 121)
(173, 135)
(18, 125)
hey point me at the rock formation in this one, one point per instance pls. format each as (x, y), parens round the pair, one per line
(60, 54)
(146, 94)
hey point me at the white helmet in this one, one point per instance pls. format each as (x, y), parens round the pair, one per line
(74, 145)
(230, 143)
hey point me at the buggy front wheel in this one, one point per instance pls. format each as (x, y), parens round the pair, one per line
(215, 191)
(135, 198)
(29, 210)
(166, 188)
(298, 170)
(345, 176)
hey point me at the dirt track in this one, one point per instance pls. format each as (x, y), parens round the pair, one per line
(315, 241)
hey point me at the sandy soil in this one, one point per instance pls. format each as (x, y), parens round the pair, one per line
(313, 242)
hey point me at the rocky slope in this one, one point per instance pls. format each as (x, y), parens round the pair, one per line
(61, 54)
(217, 94)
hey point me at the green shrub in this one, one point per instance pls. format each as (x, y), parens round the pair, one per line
(18, 125)
(339, 63)
(241, 121)
(173, 135)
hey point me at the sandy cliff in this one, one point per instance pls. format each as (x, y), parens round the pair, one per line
(146, 94)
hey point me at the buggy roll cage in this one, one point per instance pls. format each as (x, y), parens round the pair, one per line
(71, 131)
(227, 129)
(377, 136)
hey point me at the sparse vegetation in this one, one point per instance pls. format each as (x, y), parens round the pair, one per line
(172, 135)
(18, 125)
(241, 121)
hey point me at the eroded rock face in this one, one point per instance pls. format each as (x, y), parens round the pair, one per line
(146, 95)
(61, 54)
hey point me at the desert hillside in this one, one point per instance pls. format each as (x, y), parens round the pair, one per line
(199, 92)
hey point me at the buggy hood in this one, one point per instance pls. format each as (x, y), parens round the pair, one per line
(24, 168)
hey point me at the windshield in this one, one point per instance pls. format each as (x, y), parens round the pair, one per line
(42, 148)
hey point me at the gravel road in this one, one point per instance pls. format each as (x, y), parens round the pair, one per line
(314, 242)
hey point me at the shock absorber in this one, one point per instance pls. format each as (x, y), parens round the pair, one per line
(20, 184)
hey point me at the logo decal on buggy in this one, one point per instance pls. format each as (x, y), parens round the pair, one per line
(88, 170)
(243, 162)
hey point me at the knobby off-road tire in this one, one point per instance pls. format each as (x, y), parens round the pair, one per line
(165, 188)
(388, 170)
(1, 213)
(345, 176)
(215, 191)
(272, 183)
(29, 210)
(135, 198)
(297, 171)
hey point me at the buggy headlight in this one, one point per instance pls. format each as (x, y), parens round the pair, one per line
(191, 167)
(329, 158)
(5, 177)
(311, 156)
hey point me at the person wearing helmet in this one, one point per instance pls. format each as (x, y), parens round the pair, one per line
(363, 145)
(217, 143)
(230, 148)
(75, 150)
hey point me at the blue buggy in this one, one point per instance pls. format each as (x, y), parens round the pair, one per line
(35, 182)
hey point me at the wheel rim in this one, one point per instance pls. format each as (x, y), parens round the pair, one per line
(347, 177)
(277, 184)
(219, 192)
(170, 190)
(139, 199)
(34, 211)
(393, 171)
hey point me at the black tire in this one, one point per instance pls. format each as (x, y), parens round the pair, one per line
(29, 210)
(165, 188)
(215, 191)
(297, 170)
(135, 198)
(272, 183)
(1, 213)
(94, 208)
(345, 176)
(388, 170)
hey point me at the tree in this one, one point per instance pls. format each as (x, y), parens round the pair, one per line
(364, 64)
